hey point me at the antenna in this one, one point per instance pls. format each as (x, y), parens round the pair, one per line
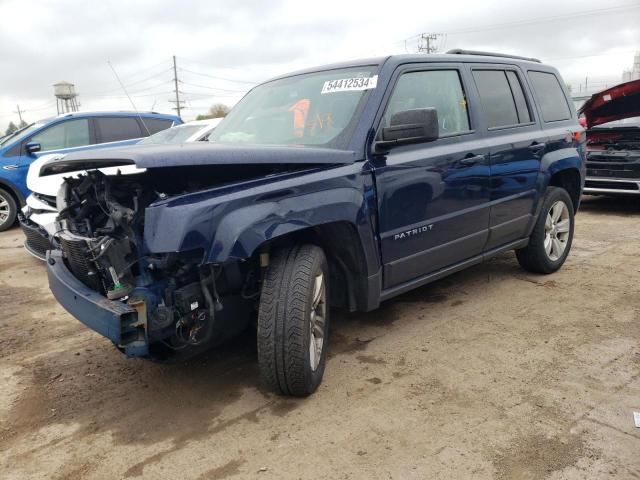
(127, 94)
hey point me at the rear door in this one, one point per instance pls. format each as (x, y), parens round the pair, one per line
(433, 198)
(516, 145)
(559, 120)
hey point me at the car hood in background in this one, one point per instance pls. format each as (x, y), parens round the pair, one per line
(193, 154)
(615, 103)
(50, 183)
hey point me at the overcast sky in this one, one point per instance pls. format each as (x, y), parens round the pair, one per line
(223, 47)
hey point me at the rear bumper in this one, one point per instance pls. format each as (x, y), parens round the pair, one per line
(111, 319)
(612, 186)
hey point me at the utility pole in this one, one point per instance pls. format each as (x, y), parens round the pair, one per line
(426, 42)
(175, 81)
(19, 112)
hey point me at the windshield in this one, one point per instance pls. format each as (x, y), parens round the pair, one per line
(312, 109)
(178, 134)
(625, 122)
(20, 134)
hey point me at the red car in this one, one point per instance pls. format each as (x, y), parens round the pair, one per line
(612, 118)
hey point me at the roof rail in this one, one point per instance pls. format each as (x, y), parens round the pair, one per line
(460, 51)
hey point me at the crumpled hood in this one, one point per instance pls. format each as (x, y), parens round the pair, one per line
(615, 103)
(192, 154)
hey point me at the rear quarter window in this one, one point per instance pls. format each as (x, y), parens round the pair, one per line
(549, 96)
(154, 125)
(497, 98)
(115, 129)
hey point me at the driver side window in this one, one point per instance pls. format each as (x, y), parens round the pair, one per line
(73, 133)
(439, 89)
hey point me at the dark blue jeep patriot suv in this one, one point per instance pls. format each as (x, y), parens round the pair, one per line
(339, 186)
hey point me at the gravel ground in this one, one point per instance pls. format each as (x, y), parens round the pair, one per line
(489, 373)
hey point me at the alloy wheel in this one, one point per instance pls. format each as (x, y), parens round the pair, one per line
(556, 230)
(4, 209)
(317, 317)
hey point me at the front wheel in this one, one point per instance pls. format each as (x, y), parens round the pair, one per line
(551, 239)
(293, 320)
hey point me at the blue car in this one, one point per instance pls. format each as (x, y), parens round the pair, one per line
(64, 134)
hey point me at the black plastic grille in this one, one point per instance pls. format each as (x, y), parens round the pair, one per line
(613, 164)
(38, 241)
(611, 185)
(76, 251)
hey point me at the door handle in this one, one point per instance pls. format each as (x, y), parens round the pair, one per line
(470, 160)
(536, 147)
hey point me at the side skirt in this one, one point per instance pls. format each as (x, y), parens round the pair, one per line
(432, 277)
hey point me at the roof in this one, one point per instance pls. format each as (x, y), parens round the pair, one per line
(394, 60)
(125, 113)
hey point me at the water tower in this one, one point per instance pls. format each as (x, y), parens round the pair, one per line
(66, 97)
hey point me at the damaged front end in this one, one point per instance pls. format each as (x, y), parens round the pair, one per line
(159, 305)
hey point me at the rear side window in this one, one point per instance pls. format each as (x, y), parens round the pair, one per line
(154, 125)
(497, 98)
(115, 129)
(439, 89)
(550, 96)
(72, 133)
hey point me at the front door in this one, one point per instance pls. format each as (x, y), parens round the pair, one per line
(433, 198)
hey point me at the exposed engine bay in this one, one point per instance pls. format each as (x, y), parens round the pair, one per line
(613, 161)
(182, 304)
(614, 139)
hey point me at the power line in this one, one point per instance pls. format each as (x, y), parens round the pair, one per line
(213, 88)
(217, 78)
(144, 71)
(533, 21)
(202, 96)
(594, 55)
(137, 95)
(144, 90)
(146, 79)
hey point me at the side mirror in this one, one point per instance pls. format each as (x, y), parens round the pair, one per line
(33, 147)
(419, 125)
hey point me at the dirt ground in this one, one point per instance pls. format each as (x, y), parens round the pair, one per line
(490, 373)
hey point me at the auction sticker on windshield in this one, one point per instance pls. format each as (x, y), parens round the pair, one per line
(347, 84)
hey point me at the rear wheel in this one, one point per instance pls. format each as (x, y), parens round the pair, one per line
(293, 320)
(8, 210)
(551, 239)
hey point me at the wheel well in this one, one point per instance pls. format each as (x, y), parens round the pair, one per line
(17, 197)
(345, 255)
(569, 180)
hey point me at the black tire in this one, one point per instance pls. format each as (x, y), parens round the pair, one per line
(284, 320)
(534, 256)
(8, 210)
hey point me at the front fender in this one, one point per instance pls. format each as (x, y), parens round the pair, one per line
(242, 231)
(230, 223)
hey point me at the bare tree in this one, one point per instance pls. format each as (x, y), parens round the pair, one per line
(11, 128)
(218, 110)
